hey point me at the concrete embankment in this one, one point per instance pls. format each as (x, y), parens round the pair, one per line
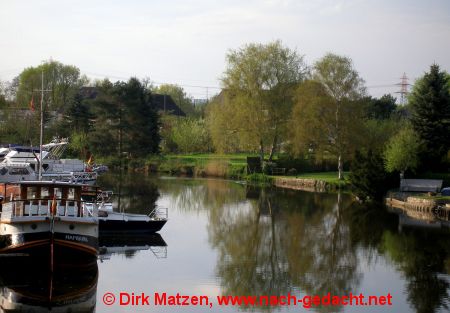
(420, 208)
(306, 184)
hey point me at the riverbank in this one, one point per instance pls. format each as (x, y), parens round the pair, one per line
(234, 166)
(420, 206)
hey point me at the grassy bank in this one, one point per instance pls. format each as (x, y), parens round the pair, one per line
(201, 165)
(231, 166)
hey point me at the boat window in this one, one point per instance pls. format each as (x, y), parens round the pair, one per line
(58, 193)
(71, 193)
(3, 171)
(31, 192)
(18, 171)
(45, 192)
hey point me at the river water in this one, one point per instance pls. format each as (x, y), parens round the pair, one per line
(226, 238)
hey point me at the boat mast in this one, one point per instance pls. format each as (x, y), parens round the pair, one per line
(42, 125)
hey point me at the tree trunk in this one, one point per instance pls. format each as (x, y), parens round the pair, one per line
(274, 147)
(340, 167)
(261, 151)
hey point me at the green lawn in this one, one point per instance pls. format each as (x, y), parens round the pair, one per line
(330, 177)
(201, 158)
(238, 160)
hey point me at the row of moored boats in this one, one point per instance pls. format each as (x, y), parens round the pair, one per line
(59, 214)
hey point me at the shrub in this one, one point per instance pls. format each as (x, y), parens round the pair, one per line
(368, 179)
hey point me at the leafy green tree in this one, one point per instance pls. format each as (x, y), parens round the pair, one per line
(179, 96)
(380, 108)
(430, 104)
(344, 87)
(320, 124)
(378, 131)
(64, 82)
(401, 151)
(191, 135)
(259, 81)
(224, 138)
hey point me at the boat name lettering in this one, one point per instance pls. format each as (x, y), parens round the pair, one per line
(76, 238)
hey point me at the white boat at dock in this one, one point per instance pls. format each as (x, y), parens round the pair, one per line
(22, 163)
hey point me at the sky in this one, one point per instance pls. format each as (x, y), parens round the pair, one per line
(186, 42)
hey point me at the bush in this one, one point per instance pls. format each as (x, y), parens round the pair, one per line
(258, 178)
(368, 179)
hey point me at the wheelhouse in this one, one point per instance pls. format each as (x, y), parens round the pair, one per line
(46, 198)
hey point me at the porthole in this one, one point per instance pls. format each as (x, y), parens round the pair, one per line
(71, 227)
(33, 226)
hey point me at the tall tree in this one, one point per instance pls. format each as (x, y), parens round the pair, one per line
(78, 117)
(63, 81)
(259, 81)
(343, 85)
(430, 103)
(126, 119)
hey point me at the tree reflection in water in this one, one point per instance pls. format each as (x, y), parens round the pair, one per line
(132, 193)
(422, 255)
(274, 241)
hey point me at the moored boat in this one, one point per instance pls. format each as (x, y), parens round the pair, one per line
(22, 164)
(48, 218)
(112, 221)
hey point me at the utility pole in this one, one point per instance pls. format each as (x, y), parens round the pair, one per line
(41, 136)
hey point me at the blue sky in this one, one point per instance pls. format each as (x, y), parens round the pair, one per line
(185, 42)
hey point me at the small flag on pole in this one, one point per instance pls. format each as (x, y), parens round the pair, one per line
(32, 103)
(89, 162)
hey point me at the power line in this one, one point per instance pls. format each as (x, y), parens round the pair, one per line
(155, 82)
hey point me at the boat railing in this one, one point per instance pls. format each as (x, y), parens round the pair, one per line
(49, 207)
(104, 196)
(159, 213)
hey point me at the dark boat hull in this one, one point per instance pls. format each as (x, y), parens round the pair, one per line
(106, 226)
(61, 247)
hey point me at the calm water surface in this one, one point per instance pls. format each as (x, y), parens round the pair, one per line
(225, 238)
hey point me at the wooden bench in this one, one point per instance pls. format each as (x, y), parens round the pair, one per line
(421, 185)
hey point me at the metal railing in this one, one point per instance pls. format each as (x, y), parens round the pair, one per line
(159, 214)
(49, 207)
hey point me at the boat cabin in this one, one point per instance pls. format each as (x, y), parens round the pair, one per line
(46, 198)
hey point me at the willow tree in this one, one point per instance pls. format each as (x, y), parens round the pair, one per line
(333, 103)
(259, 82)
(62, 82)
